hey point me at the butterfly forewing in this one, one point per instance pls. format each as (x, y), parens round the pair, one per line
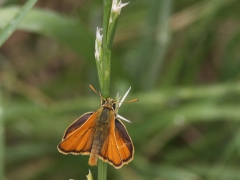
(78, 137)
(76, 124)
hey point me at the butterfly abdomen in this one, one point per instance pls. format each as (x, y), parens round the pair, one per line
(96, 146)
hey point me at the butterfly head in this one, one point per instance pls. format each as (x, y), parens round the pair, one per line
(109, 103)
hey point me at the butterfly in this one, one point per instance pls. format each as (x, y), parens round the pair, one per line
(100, 134)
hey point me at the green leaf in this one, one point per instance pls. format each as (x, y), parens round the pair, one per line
(68, 31)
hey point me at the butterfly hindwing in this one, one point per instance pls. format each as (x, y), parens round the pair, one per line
(124, 142)
(117, 149)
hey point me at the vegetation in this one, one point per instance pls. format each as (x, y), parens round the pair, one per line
(181, 59)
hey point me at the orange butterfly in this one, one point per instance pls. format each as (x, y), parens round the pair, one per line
(100, 134)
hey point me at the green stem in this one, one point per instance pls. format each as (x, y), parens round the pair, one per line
(11, 26)
(107, 4)
(106, 72)
(104, 76)
(102, 170)
(104, 62)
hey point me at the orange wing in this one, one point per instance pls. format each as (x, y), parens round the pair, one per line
(124, 142)
(76, 124)
(77, 138)
(118, 148)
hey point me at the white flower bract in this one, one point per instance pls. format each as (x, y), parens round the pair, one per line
(117, 6)
(122, 118)
(124, 97)
(119, 103)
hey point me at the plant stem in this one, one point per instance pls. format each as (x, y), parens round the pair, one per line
(106, 59)
(106, 72)
(11, 26)
(102, 170)
(104, 75)
(103, 44)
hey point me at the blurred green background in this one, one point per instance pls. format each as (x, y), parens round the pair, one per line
(182, 59)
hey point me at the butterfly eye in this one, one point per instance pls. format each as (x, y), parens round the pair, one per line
(103, 102)
(114, 105)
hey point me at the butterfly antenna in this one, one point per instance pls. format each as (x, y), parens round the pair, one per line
(133, 100)
(96, 91)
